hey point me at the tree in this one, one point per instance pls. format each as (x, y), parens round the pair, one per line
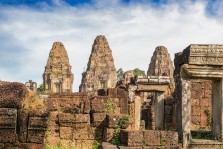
(120, 73)
(40, 88)
(139, 72)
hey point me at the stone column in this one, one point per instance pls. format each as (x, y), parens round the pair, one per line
(186, 111)
(137, 114)
(217, 109)
(159, 110)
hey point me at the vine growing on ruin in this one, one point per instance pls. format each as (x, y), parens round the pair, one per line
(115, 140)
(110, 107)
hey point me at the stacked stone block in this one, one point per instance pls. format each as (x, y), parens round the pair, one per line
(169, 113)
(20, 127)
(148, 139)
(201, 94)
(77, 120)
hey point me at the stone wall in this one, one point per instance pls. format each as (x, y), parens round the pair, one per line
(80, 121)
(23, 119)
(148, 139)
(201, 93)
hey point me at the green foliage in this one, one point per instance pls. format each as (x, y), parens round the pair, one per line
(201, 134)
(115, 140)
(120, 73)
(59, 146)
(12, 146)
(40, 88)
(139, 72)
(51, 54)
(110, 107)
(96, 145)
(123, 121)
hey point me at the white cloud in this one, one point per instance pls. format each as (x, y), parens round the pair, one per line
(133, 31)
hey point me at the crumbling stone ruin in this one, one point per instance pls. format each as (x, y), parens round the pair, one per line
(23, 117)
(57, 77)
(101, 72)
(31, 85)
(160, 110)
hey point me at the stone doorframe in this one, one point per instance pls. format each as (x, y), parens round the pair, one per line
(188, 72)
(198, 61)
(159, 85)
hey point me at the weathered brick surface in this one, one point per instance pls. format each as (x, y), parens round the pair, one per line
(81, 134)
(36, 136)
(151, 137)
(8, 117)
(40, 122)
(12, 95)
(112, 92)
(201, 92)
(108, 134)
(127, 147)
(112, 120)
(21, 146)
(106, 145)
(128, 138)
(98, 104)
(81, 125)
(66, 119)
(22, 125)
(82, 118)
(86, 144)
(7, 135)
(69, 103)
(8, 121)
(122, 93)
(99, 119)
(124, 105)
(66, 133)
(169, 138)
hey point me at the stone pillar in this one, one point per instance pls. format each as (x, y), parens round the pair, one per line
(137, 114)
(159, 110)
(217, 109)
(186, 110)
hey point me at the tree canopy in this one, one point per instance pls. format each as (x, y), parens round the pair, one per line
(120, 73)
(40, 88)
(139, 72)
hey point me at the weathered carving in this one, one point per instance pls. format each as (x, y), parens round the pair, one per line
(206, 54)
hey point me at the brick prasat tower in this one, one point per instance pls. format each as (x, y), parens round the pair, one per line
(57, 77)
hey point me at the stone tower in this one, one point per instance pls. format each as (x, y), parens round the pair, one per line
(161, 64)
(57, 77)
(101, 72)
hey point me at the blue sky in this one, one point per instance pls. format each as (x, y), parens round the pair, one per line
(133, 29)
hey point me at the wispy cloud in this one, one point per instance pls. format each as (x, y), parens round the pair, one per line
(133, 31)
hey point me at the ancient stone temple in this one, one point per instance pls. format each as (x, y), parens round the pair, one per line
(161, 64)
(57, 77)
(101, 72)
